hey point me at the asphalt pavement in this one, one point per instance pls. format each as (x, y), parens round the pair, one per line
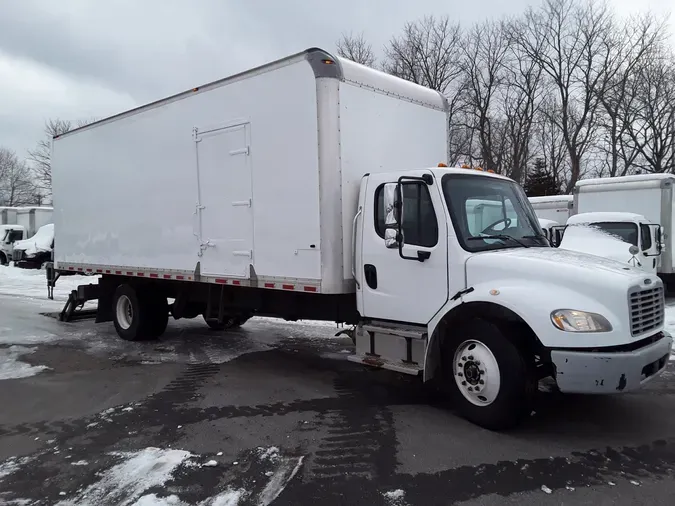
(273, 413)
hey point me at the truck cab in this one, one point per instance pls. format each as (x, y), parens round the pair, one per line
(625, 237)
(461, 304)
(9, 234)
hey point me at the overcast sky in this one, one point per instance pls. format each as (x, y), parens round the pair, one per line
(76, 59)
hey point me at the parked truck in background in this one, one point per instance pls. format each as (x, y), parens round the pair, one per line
(625, 237)
(20, 224)
(310, 188)
(651, 197)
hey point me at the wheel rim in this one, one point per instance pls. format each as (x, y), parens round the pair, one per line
(125, 312)
(476, 373)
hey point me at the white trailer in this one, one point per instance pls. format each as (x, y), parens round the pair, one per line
(32, 218)
(556, 208)
(309, 188)
(649, 195)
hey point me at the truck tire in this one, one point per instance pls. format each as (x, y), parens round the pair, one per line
(159, 312)
(139, 315)
(490, 379)
(3, 259)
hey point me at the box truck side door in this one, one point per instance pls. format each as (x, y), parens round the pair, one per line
(225, 201)
(411, 284)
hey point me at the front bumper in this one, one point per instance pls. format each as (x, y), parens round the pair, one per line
(597, 372)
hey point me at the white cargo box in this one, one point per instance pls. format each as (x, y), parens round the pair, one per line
(252, 180)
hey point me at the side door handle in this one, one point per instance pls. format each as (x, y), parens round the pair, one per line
(370, 273)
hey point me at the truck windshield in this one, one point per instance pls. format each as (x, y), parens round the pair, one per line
(626, 231)
(485, 208)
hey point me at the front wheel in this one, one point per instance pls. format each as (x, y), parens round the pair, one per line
(492, 383)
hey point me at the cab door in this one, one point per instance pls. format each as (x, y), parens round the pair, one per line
(409, 284)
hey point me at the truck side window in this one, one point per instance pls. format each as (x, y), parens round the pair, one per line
(420, 225)
(646, 237)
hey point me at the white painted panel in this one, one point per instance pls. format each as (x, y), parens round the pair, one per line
(380, 133)
(646, 202)
(125, 191)
(225, 202)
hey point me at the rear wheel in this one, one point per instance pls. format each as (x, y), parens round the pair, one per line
(492, 381)
(139, 314)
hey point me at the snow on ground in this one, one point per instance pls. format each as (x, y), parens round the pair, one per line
(152, 476)
(11, 367)
(125, 482)
(33, 283)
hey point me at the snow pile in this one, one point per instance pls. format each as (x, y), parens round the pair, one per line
(12, 368)
(592, 240)
(395, 497)
(41, 241)
(280, 478)
(124, 483)
(33, 283)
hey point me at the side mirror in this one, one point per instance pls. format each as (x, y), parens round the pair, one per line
(556, 235)
(633, 250)
(393, 208)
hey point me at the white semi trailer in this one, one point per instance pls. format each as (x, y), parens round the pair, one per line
(309, 188)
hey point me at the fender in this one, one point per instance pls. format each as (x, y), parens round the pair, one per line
(524, 302)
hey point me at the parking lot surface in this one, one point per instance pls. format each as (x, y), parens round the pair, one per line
(274, 413)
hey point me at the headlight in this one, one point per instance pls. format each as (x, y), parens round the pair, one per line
(571, 320)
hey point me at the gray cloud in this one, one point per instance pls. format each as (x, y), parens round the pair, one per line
(83, 58)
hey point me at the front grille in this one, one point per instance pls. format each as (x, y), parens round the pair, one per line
(647, 309)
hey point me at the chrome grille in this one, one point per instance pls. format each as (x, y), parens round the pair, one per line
(647, 309)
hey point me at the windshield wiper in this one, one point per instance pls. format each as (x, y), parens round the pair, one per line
(503, 237)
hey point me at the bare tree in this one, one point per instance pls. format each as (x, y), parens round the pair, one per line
(571, 42)
(40, 158)
(634, 44)
(550, 142)
(483, 53)
(356, 48)
(520, 99)
(16, 184)
(652, 128)
(426, 53)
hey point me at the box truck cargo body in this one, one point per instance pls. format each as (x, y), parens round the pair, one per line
(312, 188)
(252, 179)
(553, 207)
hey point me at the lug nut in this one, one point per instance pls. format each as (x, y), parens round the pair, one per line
(463, 383)
(463, 358)
(477, 362)
(470, 389)
(460, 374)
(470, 357)
(481, 382)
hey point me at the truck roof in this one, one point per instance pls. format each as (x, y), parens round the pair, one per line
(600, 217)
(324, 65)
(551, 198)
(638, 178)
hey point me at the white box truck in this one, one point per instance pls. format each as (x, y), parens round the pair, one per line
(310, 188)
(649, 198)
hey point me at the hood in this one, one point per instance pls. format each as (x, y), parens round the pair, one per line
(554, 265)
(588, 239)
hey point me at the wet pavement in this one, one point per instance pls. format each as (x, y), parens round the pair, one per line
(274, 413)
